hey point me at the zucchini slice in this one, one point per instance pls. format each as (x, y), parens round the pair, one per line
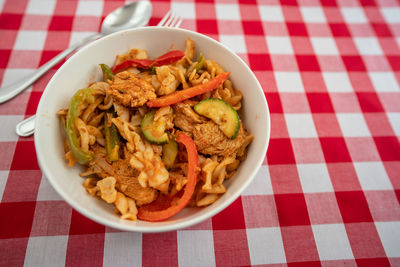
(169, 152)
(154, 131)
(221, 113)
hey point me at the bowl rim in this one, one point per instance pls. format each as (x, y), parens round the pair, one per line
(176, 224)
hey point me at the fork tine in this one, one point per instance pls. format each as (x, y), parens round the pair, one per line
(176, 22)
(164, 19)
(171, 19)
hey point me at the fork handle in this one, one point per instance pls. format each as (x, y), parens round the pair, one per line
(9, 91)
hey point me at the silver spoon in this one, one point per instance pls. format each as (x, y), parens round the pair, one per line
(132, 15)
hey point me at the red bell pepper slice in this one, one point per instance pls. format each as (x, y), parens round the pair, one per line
(141, 63)
(168, 58)
(179, 96)
(161, 208)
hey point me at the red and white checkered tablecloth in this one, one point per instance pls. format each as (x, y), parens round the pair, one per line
(329, 190)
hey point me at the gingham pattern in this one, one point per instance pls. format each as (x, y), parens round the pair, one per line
(328, 192)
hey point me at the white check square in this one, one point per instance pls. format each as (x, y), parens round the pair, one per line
(289, 82)
(279, 45)
(314, 178)
(368, 46)
(8, 123)
(390, 237)
(261, 185)
(271, 13)
(234, 42)
(90, 8)
(124, 248)
(372, 176)
(227, 11)
(195, 248)
(394, 118)
(184, 10)
(30, 40)
(40, 7)
(337, 82)
(13, 75)
(324, 46)
(46, 251)
(46, 191)
(353, 124)
(384, 81)
(354, 15)
(332, 242)
(313, 14)
(78, 36)
(3, 181)
(300, 125)
(270, 240)
(391, 14)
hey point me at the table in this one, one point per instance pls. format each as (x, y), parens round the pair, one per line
(328, 192)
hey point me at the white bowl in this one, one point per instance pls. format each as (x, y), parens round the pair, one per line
(82, 68)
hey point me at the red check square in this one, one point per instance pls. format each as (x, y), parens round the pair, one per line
(320, 102)
(230, 218)
(260, 62)
(394, 62)
(381, 29)
(61, 23)
(81, 225)
(274, 102)
(289, 2)
(25, 156)
(373, 262)
(33, 103)
(47, 55)
(388, 147)
(252, 27)
(351, 201)
(354, 63)
(280, 151)
(339, 30)
(335, 149)
(292, 209)
(296, 29)
(10, 21)
(17, 219)
(307, 63)
(329, 3)
(4, 57)
(369, 102)
(207, 26)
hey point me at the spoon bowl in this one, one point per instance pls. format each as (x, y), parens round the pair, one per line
(133, 15)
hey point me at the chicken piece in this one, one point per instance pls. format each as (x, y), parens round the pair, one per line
(130, 90)
(168, 81)
(185, 117)
(210, 140)
(126, 178)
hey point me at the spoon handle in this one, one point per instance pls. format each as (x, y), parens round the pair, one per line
(9, 91)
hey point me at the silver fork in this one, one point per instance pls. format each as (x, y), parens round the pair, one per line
(27, 127)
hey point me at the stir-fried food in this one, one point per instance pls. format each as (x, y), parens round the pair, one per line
(156, 135)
